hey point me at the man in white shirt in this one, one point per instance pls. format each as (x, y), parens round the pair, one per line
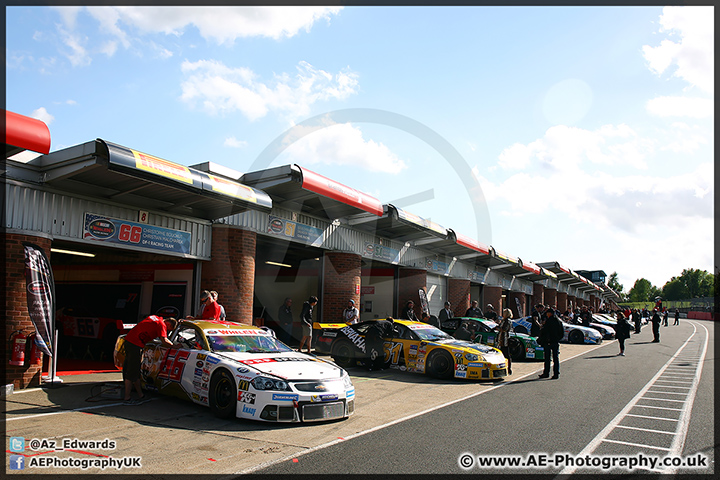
(351, 314)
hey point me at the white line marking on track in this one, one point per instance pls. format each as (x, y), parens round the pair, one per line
(394, 422)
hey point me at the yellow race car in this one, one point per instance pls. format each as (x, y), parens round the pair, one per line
(421, 348)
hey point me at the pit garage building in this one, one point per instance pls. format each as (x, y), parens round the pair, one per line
(130, 234)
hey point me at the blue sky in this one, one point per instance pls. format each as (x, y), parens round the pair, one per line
(588, 130)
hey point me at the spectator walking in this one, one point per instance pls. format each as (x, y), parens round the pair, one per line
(504, 328)
(306, 319)
(551, 331)
(145, 331)
(622, 331)
(677, 317)
(351, 314)
(656, 326)
(474, 311)
(285, 320)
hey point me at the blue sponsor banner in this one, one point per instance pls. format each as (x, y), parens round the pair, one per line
(295, 230)
(112, 230)
(381, 252)
(285, 396)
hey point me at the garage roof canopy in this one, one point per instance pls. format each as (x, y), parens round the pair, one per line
(105, 170)
(298, 189)
(25, 133)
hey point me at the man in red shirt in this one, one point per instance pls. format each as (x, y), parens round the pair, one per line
(210, 309)
(145, 331)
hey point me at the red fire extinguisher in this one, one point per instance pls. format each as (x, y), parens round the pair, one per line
(18, 340)
(35, 356)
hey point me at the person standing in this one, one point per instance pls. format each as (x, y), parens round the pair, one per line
(306, 318)
(677, 317)
(210, 308)
(636, 320)
(144, 332)
(408, 312)
(490, 313)
(504, 328)
(474, 311)
(665, 318)
(585, 316)
(222, 309)
(622, 331)
(351, 314)
(375, 339)
(551, 332)
(656, 326)
(285, 320)
(445, 313)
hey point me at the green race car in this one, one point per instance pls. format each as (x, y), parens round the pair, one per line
(481, 330)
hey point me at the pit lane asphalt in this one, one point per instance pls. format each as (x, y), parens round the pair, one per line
(430, 421)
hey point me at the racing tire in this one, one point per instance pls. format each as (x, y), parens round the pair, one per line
(223, 394)
(343, 354)
(520, 329)
(517, 350)
(576, 336)
(441, 364)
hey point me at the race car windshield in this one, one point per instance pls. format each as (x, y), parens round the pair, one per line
(431, 333)
(246, 344)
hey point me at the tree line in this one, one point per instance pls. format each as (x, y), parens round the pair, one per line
(691, 283)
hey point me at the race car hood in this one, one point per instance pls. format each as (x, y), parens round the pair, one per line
(288, 365)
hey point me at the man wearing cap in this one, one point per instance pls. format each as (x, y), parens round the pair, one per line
(351, 314)
(490, 313)
(211, 309)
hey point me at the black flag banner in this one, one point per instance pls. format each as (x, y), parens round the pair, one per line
(40, 295)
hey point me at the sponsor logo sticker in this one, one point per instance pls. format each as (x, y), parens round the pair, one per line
(248, 410)
(285, 397)
(243, 385)
(246, 397)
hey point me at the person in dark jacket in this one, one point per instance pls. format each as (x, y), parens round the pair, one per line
(374, 339)
(622, 331)
(677, 317)
(551, 332)
(474, 311)
(656, 326)
(636, 320)
(306, 319)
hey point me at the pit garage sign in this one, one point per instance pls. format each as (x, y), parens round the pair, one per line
(124, 232)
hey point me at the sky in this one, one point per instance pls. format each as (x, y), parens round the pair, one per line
(578, 135)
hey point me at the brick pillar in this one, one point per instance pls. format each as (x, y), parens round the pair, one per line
(231, 271)
(16, 316)
(341, 282)
(512, 304)
(493, 296)
(572, 302)
(550, 296)
(459, 295)
(538, 294)
(410, 281)
(562, 301)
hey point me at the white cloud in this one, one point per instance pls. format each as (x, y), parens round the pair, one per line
(42, 115)
(235, 143)
(218, 89)
(78, 55)
(222, 25)
(343, 144)
(681, 107)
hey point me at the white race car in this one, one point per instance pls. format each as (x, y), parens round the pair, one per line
(242, 370)
(573, 333)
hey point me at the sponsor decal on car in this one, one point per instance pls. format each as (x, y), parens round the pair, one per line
(354, 337)
(475, 365)
(285, 397)
(460, 374)
(246, 397)
(323, 398)
(350, 393)
(201, 356)
(200, 364)
(242, 370)
(460, 367)
(248, 410)
(213, 360)
(198, 372)
(329, 334)
(243, 385)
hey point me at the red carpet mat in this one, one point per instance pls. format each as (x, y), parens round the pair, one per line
(69, 366)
